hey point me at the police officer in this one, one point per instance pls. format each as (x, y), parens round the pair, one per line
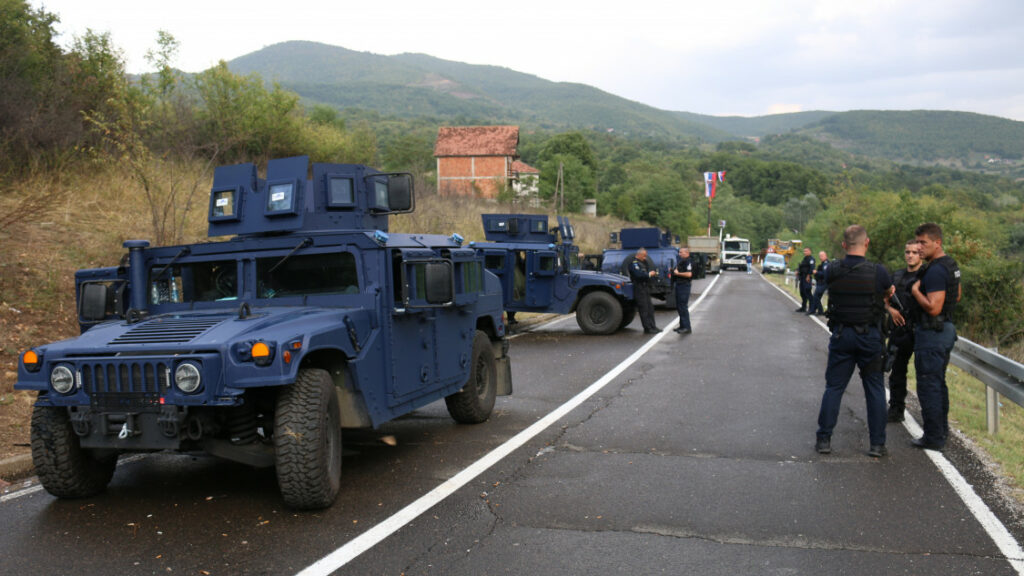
(937, 292)
(903, 307)
(820, 285)
(641, 273)
(803, 272)
(856, 309)
(682, 276)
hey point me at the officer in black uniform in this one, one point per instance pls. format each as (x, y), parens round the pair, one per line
(803, 273)
(903, 307)
(820, 285)
(937, 292)
(858, 290)
(641, 272)
(682, 276)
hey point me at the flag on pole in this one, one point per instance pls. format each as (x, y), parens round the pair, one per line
(721, 176)
(709, 184)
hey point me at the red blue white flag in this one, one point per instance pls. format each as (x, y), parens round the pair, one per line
(709, 184)
(721, 176)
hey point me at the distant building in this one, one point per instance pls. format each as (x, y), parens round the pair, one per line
(526, 182)
(475, 160)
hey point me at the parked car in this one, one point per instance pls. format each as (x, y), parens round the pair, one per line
(773, 263)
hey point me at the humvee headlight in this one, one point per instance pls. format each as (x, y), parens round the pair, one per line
(62, 379)
(187, 377)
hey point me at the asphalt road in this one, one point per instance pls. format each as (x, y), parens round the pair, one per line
(697, 459)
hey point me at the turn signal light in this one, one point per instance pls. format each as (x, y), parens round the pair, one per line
(31, 361)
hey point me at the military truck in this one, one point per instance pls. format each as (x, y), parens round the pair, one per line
(539, 272)
(706, 252)
(661, 253)
(261, 348)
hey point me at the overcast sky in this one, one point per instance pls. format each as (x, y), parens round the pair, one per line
(720, 57)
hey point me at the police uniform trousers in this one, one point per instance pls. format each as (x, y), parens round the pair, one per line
(806, 297)
(931, 356)
(642, 295)
(816, 306)
(848, 349)
(683, 304)
(898, 376)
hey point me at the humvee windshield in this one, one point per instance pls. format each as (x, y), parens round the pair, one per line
(333, 273)
(194, 282)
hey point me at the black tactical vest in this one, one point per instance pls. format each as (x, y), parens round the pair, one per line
(903, 280)
(853, 299)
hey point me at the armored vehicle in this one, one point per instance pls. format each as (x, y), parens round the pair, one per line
(661, 253)
(263, 347)
(539, 272)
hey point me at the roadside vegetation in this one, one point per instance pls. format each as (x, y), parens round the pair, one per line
(92, 156)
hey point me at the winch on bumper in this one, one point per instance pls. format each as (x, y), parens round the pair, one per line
(140, 402)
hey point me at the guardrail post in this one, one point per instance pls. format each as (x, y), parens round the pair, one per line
(992, 410)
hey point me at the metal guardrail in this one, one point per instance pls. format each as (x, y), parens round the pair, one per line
(1001, 375)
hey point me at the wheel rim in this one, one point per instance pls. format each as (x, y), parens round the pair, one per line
(598, 314)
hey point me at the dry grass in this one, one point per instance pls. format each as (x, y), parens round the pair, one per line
(55, 224)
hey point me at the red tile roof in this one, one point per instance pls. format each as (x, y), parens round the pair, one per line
(477, 141)
(523, 168)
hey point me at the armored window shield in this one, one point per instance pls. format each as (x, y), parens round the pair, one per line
(495, 263)
(545, 264)
(306, 274)
(224, 204)
(538, 226)
(340, 192)
(438, 282)
(281, 198)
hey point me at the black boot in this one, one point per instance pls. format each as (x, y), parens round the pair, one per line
(895, 413)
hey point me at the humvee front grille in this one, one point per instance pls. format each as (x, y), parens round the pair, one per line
(167, 331)
(125, 377)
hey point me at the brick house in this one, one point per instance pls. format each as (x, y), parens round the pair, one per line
(526, 182)
(475, 160)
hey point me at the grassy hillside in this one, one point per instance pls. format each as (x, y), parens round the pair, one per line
(758, 126)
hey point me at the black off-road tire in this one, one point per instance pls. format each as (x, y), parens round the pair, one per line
(474, 403)
(65, 469)
(599, 313)
(628, 314)
(307, 441)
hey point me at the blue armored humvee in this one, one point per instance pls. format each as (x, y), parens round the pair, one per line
(539, 273)
(661, 253)
(261, 348)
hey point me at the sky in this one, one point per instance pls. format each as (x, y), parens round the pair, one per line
(717, 57)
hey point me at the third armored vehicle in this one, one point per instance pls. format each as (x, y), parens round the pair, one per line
(538, 270)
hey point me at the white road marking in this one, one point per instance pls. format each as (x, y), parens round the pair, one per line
(353, 548)
(993, 527)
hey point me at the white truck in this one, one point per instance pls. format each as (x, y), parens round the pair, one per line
(735, 252)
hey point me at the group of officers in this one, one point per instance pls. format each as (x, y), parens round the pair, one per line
(915, 307)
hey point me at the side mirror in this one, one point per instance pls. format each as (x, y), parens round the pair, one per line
(93, 306)
(439, 282)
(400, 195)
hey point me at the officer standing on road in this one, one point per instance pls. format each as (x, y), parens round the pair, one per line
(903, 307)
(937, 292)
(820, 285)
(640, 272)
(804, 272)
(858, 290)
(682, 276)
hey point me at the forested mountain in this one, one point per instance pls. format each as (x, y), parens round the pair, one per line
(421, 86)
(417, 85)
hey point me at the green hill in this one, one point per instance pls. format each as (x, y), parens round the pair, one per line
(408, 86)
